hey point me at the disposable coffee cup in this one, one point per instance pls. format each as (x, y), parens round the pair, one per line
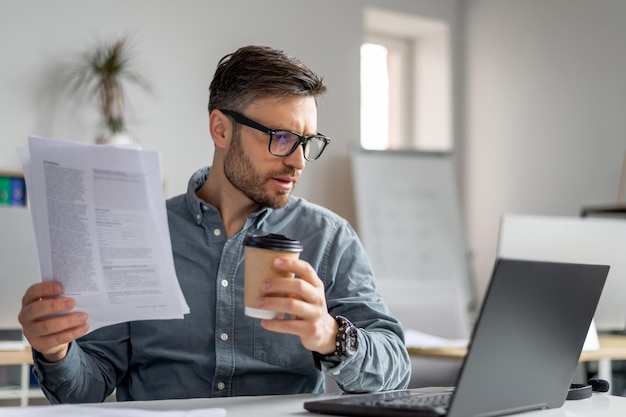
(260, 251)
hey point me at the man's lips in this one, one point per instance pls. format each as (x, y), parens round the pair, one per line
(284, 182)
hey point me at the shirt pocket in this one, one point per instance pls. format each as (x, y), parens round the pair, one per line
(280, 349)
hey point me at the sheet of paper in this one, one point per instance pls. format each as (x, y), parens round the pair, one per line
(101, 229)
(417, 339)
(420, 340)
(66, 410)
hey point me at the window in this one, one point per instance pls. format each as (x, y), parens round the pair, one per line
(374, 97)
(383, 76)
(405, 83)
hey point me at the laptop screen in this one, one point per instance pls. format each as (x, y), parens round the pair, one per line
(528, 336)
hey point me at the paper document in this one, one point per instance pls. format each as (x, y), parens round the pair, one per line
(420, 340)
(67, 410)
(101, 229)
(416, 339)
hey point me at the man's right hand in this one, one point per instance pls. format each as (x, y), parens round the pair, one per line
(46, 322)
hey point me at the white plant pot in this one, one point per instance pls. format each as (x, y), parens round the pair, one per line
(122, 138)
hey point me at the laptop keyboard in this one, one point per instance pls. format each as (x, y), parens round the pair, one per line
(437, 402)
(406, 403)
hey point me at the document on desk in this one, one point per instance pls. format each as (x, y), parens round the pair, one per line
(101, 229)
(420, 340)
(70, 410)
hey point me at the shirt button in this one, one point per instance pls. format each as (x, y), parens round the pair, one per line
(217, 232)
(205, 207)
(224, 336)
(224, 283)
(336, 373)
(221, 386)
(198, 216)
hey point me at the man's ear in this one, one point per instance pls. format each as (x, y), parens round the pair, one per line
(221, 129)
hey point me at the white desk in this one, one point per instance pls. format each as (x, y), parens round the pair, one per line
(599, 405)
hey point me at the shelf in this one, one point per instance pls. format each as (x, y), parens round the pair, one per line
(16, 357)
(14, 392)
(618, 209)
(24, 392)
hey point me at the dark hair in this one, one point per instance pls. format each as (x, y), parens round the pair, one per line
(254, 72)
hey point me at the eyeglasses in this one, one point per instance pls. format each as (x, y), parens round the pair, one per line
(285, 142)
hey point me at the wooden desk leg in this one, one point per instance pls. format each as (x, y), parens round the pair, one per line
(605, 372)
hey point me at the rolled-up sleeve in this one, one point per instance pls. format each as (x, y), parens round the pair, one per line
(90, 371)
(381, 361)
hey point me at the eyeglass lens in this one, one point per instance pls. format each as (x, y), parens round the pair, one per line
(284, 143)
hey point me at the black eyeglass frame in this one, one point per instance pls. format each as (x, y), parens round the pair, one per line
(304, 140)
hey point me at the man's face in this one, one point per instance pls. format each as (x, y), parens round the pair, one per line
(262, 177)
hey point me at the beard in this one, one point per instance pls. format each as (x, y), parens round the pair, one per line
(241, 173)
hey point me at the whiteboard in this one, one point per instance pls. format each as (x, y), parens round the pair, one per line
(578, 240)
(409, 217)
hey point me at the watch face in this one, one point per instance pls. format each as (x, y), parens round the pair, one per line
(351, 340)
(347, 337)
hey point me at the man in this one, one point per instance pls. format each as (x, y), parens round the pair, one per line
(335, 318)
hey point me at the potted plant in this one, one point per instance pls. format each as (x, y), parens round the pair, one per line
(102, 73)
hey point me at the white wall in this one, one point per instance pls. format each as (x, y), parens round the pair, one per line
(539, 126)
(545, 111)
(178, 44)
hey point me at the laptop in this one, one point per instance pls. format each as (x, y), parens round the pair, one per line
(523, 352)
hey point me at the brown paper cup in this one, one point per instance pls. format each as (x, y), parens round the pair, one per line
(260, 251)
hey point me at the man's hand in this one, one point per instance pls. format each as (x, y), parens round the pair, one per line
(46, 322)
(305, 302)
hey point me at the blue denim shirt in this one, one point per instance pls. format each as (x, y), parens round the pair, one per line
(217, 351)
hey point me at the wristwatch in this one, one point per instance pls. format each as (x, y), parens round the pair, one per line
(346, 342)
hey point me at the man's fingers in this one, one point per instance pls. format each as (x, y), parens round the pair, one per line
(49, 334)
(45, 307)
(54, 325)
(301, 268)
(47, 321)
(41, 290)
